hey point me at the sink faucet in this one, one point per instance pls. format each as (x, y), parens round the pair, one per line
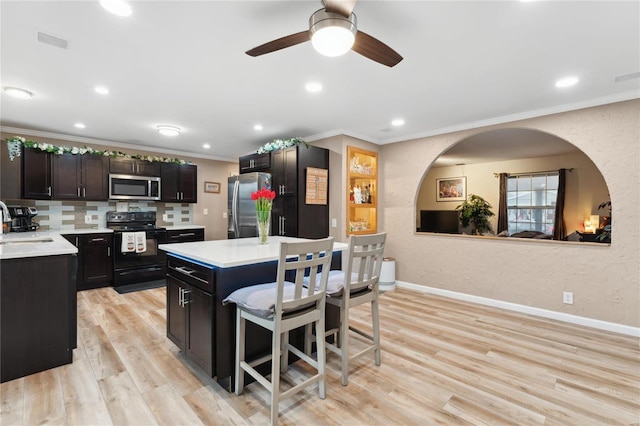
(6, 217)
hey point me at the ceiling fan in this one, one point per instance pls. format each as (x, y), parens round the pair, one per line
(333, 31)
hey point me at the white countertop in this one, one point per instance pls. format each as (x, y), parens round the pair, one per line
(34, 244)
(182, 227)
(85, 231)
(236, 252)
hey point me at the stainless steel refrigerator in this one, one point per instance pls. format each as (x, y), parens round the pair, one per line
(242, 209)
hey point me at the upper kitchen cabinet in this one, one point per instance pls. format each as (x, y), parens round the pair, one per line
(179, 183)
(294, 214)
(80, 177)
(362, 198)
(36, 174)
(255, 163)
(132, 166)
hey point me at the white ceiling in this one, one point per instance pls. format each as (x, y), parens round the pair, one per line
(465, 64)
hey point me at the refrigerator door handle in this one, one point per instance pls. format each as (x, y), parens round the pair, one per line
(234, 208)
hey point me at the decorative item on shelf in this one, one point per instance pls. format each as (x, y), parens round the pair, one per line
(476, 211)
(14, 146)
(264, 201)
(277, 144)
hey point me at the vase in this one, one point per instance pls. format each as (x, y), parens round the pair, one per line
(264, 221)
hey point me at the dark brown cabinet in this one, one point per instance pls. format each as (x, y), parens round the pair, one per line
(190, 322)
(36, 174)
(291, 216)
(37, 314)
(185, 235)
(255, 163)
(95, 261)
(132, 166)
(80, 177)
(179, 183)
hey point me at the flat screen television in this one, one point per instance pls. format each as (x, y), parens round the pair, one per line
(443, 221)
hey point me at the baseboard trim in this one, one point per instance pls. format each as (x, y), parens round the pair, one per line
(574, 319)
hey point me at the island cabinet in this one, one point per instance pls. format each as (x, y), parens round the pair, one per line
(37, 314)
(255, 163)
(190, 310)
(291, 215)
(36, 174)
(179, 183)
(95, 261)
(80, 177)
(133, 166)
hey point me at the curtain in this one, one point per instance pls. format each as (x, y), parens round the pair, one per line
(503, 220)
(559, 227)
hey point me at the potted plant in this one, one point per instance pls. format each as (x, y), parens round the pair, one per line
(476, 211)
(605, 235)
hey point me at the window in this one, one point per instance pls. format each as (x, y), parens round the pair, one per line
(531, 202)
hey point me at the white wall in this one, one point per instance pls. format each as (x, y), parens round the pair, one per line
(605, 279)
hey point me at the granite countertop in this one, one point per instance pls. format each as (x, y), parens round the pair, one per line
(17, 245)
(182, 227)
(235, 252)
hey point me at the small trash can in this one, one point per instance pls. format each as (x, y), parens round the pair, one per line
(387, 274)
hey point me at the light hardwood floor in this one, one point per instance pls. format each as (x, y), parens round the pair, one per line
(443, 362)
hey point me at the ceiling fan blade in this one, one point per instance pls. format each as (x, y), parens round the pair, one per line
(342, 7)
(374, 49)
(281, 43)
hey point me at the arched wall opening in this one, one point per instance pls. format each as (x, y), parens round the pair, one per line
(472, 164)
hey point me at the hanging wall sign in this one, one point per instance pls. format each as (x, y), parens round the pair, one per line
(317, 186)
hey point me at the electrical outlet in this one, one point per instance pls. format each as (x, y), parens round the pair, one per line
(567, 298)
(334, 223)
(165, 217)
(87, 218)
(205, 211)
(224, 215)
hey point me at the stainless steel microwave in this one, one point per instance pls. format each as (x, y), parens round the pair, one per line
(131, 187)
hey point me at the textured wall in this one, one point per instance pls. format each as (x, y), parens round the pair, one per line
(605, 279)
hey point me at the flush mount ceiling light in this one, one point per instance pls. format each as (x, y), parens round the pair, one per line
(168, 130)
(313, 87)
(102, 90)
(117, 7)
(16, 92)
(331, 33)
(566, 82)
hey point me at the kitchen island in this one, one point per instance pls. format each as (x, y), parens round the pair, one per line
(37, 303)
(202, 274)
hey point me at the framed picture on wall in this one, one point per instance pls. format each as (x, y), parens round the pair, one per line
(451, 189)
(213, 187)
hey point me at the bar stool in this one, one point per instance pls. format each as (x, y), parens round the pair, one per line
(354, 286)
(282, 306)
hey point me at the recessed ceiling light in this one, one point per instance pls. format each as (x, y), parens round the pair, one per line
(16, 92)
(313, 87)
(206, 146)
(397, 122)
(566, 82)
(166, 130)
(79, 125)
(257, 127)
(117, 7)
(102, 90)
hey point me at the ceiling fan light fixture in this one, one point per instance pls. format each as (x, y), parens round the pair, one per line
(332, 34)
(168, 130)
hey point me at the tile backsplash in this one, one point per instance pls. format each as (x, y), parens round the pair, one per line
(70, 215)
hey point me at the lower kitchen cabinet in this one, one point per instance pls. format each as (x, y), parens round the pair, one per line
(95, 261)
(185, 235)
(190, 321)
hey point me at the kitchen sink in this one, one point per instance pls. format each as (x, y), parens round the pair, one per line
(27, 241)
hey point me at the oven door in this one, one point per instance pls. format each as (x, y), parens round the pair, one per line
(131, 267)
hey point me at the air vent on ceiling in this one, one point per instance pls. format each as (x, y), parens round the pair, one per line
(52, 40)
(388, 129)
(627, 77)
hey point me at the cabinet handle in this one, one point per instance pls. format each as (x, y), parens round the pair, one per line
(49, 191)
(185, 270)
(180, 296)
(78, 192)
(108, 251)
(185, 300)
(84, 192)
(77, 242)
(97, 239)
(182, 195)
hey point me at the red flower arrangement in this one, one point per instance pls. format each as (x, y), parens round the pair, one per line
(263, 198)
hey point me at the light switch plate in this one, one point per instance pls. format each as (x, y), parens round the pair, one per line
(205, 211)
(87, 218)
(334, 223)
(224, 215)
